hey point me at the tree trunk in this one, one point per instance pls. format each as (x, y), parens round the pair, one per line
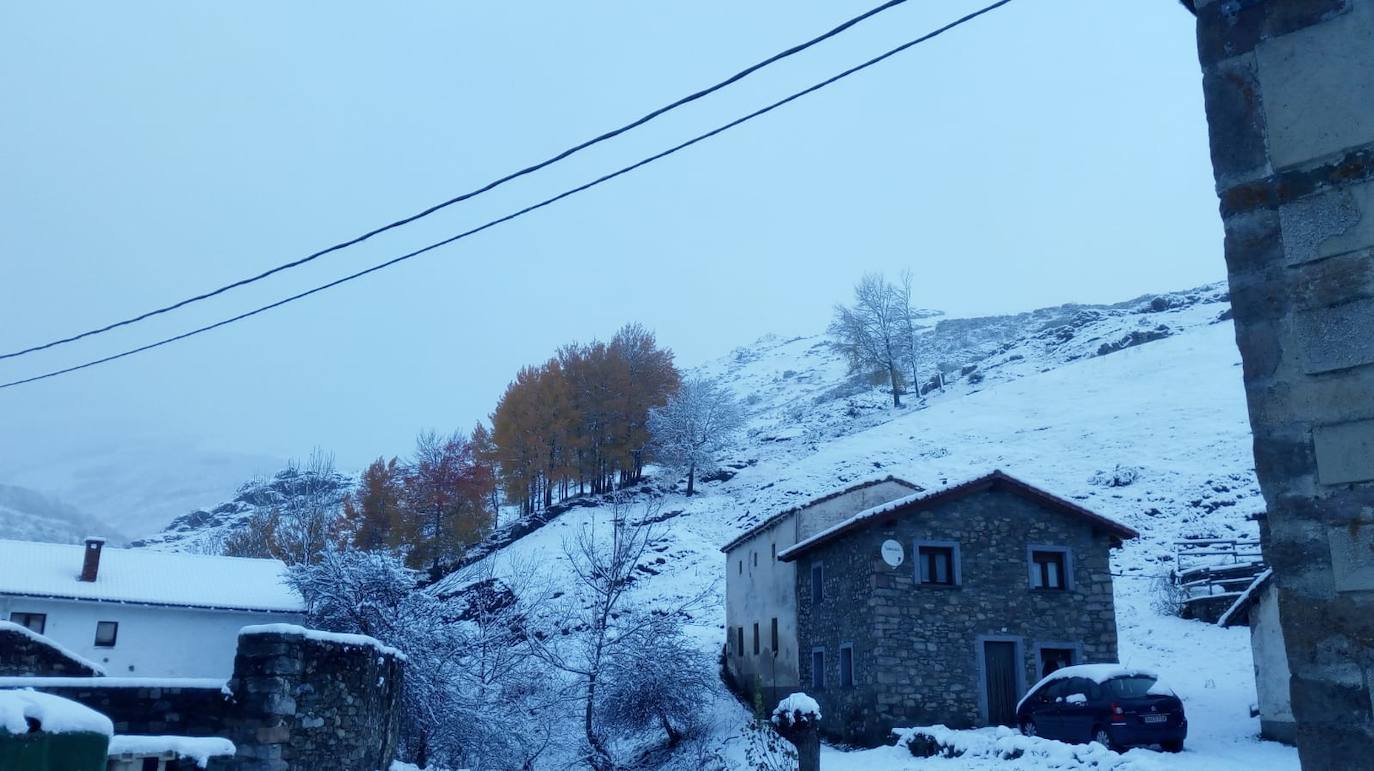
(896, 392)
(691, 479)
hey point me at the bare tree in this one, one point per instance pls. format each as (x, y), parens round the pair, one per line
(697, 423)
(610, 630)
(877, 333)
(299, 512)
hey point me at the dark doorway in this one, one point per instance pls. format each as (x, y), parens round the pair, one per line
(999, 661)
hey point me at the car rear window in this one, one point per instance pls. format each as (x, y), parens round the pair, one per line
(1132, 687)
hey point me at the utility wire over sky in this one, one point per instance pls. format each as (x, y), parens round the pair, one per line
(738, 76)
(514, 215)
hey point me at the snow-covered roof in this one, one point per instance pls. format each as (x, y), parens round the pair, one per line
(1241, 606)
(785, 513)
(146, 577)
(54, 714)
(952, 491)
(197, 749)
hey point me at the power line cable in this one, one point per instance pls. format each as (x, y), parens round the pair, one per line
(546, 202)
(796, 49)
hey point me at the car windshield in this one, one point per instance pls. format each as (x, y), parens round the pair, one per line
(1130, 687)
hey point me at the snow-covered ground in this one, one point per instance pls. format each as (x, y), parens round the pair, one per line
(1154, 434)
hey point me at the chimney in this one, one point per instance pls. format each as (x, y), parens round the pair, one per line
(90, 566)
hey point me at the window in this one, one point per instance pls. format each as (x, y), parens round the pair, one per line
(106, 633)
(739, 641)
(774, 648)
(34, 622)
(1051, 568)
(773, 548)
(847, 666)
(818, 669)
(756, 639)
(755, 555)
(937, 563)
(817, 582)
(1055, 659)
(741, 567)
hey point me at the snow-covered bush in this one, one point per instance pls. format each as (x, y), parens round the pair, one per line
(1118, 476)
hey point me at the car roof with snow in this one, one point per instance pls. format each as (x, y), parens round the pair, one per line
(995, 480)
(1098, 673)
(146, 577)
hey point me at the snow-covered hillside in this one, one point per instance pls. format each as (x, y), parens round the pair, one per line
(26, 515)
(1136, 411)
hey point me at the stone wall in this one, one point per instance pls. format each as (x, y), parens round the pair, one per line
(313, 705)
(916, 647)
(297, 702)
(26, 653)
(1289, 87)
(151, 708)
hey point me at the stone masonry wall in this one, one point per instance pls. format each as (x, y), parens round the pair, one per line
(311, 705)
(915, 647)
(23, 653)
(1289, 87)
(152, 710)
(294, 703)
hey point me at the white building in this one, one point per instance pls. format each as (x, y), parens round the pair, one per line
(761, 591)
(1258, 607)
(142, 613)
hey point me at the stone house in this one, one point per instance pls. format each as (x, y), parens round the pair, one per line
(944, 606)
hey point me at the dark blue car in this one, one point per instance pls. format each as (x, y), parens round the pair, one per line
(1115, 706)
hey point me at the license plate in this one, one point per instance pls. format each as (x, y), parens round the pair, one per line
(1156, 718)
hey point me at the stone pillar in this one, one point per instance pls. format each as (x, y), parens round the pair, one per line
(311, 702)
(797, 719)
(1289, 86)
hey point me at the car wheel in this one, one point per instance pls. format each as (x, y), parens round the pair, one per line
(1173, 746)
(1028, 728)
(1102, 737)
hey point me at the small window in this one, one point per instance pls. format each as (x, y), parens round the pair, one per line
(755, 555)
(774, 648)
(773, 548)
(756, 639)
(847, 666)
(741, 567)
(739, 641)
(106, 633)
(1049, 569)
(937, 564)
(1055, 659)
(818, 670)
(817, 583)
(34, 622)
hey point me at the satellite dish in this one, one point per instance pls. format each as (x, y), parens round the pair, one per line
(893, 553)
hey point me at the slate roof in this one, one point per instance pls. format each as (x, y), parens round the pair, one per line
(927, 498)
(144, 577)
(781, 515)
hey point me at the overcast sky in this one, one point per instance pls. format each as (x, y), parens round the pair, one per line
(1053, 151)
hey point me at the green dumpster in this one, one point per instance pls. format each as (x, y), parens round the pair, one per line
(42, 732)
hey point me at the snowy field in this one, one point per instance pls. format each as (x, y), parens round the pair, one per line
(1166, 417)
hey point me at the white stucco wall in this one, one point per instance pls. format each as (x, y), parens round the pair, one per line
(758, 594)
(1271, 666)
(153, 641)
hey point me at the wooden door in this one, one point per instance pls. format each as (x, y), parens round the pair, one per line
(999, 660)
